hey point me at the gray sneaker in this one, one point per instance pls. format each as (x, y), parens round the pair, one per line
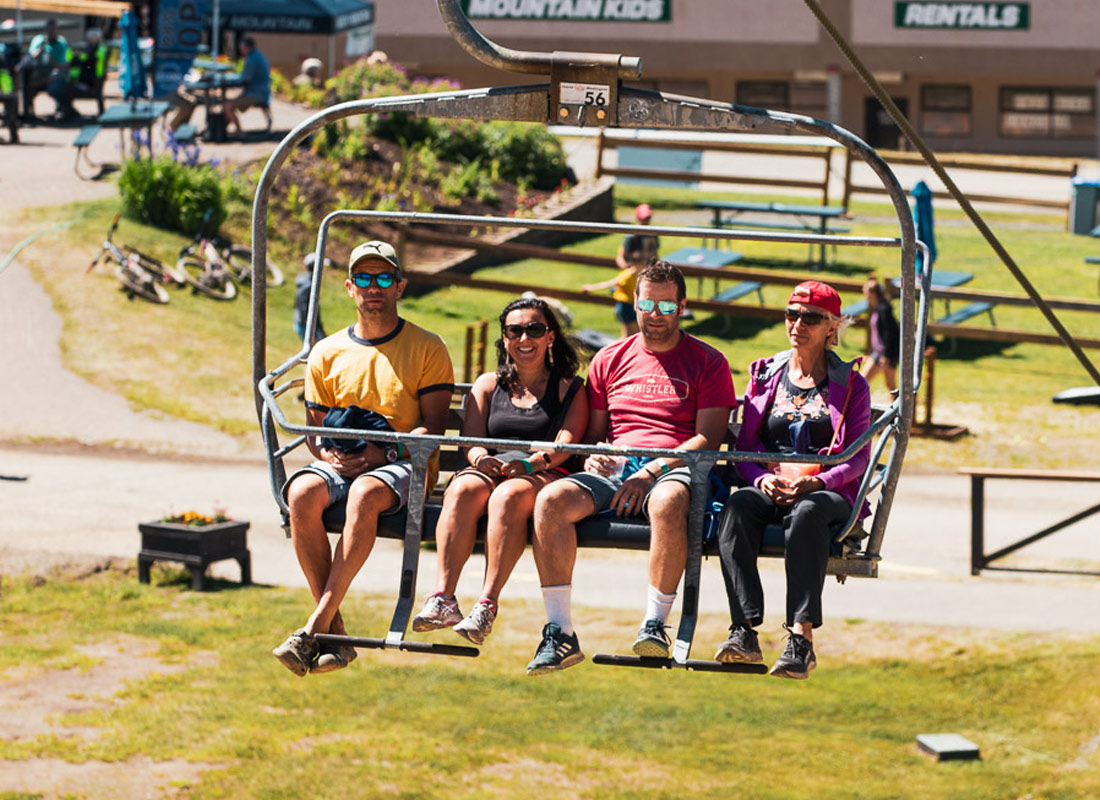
(333, 657)
(439, 611)
(741, 647)
(297, 652)
(478, 623)
(652, 641)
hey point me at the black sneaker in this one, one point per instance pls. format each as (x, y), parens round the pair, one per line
(652, 641)
(742, 646)
(556, 651)
(797, 660)
(297, 652)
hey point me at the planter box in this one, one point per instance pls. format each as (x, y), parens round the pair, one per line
(196, 546)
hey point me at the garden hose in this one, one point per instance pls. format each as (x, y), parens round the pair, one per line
(31, 239)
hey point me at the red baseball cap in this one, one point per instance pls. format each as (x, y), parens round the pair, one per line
(816, 293)
(643, 211)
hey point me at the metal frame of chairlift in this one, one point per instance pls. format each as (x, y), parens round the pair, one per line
(609, 103)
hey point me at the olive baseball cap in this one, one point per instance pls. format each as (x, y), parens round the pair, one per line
(374, 249)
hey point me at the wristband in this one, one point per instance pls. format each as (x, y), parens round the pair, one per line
(527, 467)
(664, 467)
(402, 451)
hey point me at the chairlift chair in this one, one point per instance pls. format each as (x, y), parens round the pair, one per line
(587, 89)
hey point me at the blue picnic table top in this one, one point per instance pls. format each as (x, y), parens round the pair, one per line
(134, 114)
(772, 208)
(705, 257)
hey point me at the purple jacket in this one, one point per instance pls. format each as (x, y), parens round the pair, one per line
(844, 379)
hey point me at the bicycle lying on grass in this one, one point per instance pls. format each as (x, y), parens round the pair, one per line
(237, 259)
(206, 271)
(140, 274)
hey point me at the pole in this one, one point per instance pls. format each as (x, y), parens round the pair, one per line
(19, 24)
(215, 36)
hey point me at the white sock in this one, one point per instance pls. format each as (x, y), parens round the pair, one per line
(658, 604)
(559, 606)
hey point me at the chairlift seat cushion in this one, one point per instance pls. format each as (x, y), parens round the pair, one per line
(186, 133)
(593, 339)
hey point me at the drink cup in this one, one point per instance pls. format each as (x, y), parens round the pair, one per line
(791, 470)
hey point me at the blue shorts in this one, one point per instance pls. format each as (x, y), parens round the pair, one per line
(625, 313)
(396, 476)
(603, 488)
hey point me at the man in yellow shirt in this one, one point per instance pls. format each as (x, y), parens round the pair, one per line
(392, 375)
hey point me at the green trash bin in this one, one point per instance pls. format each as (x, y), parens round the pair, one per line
(1084, 206)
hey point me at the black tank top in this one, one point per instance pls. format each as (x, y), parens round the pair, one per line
(526, 424)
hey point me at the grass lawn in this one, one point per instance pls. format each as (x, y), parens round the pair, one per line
(410, 726)
(192, 357)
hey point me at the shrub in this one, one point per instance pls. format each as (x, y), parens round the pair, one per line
(172, 195)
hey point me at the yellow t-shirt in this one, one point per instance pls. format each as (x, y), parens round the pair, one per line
(625, 282)
(387, 375)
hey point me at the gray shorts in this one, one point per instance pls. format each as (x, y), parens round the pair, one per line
(603, 488)
(396, 476)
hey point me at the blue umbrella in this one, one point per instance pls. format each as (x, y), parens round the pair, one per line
(131, 69)
(922, 220)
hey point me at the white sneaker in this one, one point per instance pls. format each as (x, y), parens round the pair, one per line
(478, 623)
(438, 612)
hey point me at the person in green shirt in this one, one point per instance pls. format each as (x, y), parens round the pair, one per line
(46, 67)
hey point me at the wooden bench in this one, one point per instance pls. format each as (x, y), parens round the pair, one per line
(979, 559)
(84, 138)
(968, 311)
(739, 290)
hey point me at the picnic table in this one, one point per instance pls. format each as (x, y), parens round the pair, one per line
(808, 218)
(131, 115)
(212, 89)
(705, 258)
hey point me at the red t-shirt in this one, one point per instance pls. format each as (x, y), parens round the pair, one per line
(653, 398)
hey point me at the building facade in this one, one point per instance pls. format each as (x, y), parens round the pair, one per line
(1000, 77)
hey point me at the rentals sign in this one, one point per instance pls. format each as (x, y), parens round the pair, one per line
(963, 16)
(579, 10)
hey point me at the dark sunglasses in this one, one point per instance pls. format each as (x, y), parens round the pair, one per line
(534, 330)
(810, 318)
(383, 279)
(666, 307)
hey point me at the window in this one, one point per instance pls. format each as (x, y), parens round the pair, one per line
(1035, 112)
(809, 98)
(945, 110)
(764, 94)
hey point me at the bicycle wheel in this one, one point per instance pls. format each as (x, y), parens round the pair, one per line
(161, 271)
(206, 281)
(239, 259)
(141, 284)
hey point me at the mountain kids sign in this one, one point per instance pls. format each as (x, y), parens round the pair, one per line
(578, 10)
(963, 16)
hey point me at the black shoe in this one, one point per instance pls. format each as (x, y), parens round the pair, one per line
(798, 658)
(556, 651)
(742, 646)
(652, 641)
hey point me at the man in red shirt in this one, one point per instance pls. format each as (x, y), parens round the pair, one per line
(658, 388)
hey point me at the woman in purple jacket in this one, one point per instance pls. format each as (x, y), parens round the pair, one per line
(803, 400)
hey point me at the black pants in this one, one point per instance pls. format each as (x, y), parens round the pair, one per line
(806, 527)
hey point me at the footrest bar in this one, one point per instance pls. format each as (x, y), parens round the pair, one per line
(693, 665)
(412, 647)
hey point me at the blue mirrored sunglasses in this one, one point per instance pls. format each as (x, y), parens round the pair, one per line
(383, 279)
(666, 307)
